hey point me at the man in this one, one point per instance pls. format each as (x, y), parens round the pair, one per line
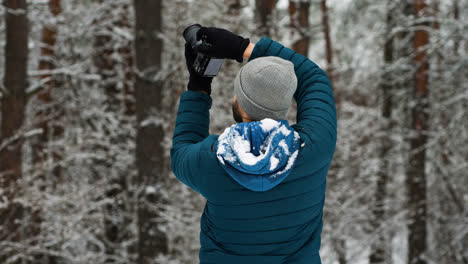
(264, 180)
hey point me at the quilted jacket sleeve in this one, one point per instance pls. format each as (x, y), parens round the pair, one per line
(316, 111)
(191, 143)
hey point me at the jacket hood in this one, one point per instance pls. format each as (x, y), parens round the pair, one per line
(260, 154)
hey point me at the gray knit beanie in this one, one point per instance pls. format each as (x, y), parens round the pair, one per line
(264, 87)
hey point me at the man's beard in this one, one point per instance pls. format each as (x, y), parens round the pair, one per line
(236, 114)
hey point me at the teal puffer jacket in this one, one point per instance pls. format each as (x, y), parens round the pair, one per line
(282, 224)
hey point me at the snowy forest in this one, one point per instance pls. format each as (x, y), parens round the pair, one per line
(89, 97)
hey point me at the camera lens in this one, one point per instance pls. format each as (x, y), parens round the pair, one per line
(190, 34)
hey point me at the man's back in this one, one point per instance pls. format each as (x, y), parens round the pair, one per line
(279, 225)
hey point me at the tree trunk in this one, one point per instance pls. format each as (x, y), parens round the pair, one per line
(437, 37)
(104, 57)
(234, 7)
(129, 89)
(328, 49)
(150, 133)
(456, 16)
(13, 214)
(449, 202)
(111, 58)
(39, 146)
(338, 244)
(13, 98)
(263, 15)
(416, 175)
(378, 252)
(299, 22)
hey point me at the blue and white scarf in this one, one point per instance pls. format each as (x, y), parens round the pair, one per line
(260, 154)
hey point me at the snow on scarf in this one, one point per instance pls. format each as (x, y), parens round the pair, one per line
(260, 154)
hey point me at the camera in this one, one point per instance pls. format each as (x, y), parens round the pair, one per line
(203, 64)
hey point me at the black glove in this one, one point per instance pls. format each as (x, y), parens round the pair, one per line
(224, 43)
(196, 82)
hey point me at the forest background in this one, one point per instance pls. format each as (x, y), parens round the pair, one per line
(89, 96)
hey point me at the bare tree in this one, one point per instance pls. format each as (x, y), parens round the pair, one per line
(234, 7)
(13, 92)
(456, 16)
(416, 167)
(338, 243)
(299, 22)
(263, 16)
(15, 227)
(150, 133)
(113, 61)
(328, 44)
(378, 252)
(48, 111)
